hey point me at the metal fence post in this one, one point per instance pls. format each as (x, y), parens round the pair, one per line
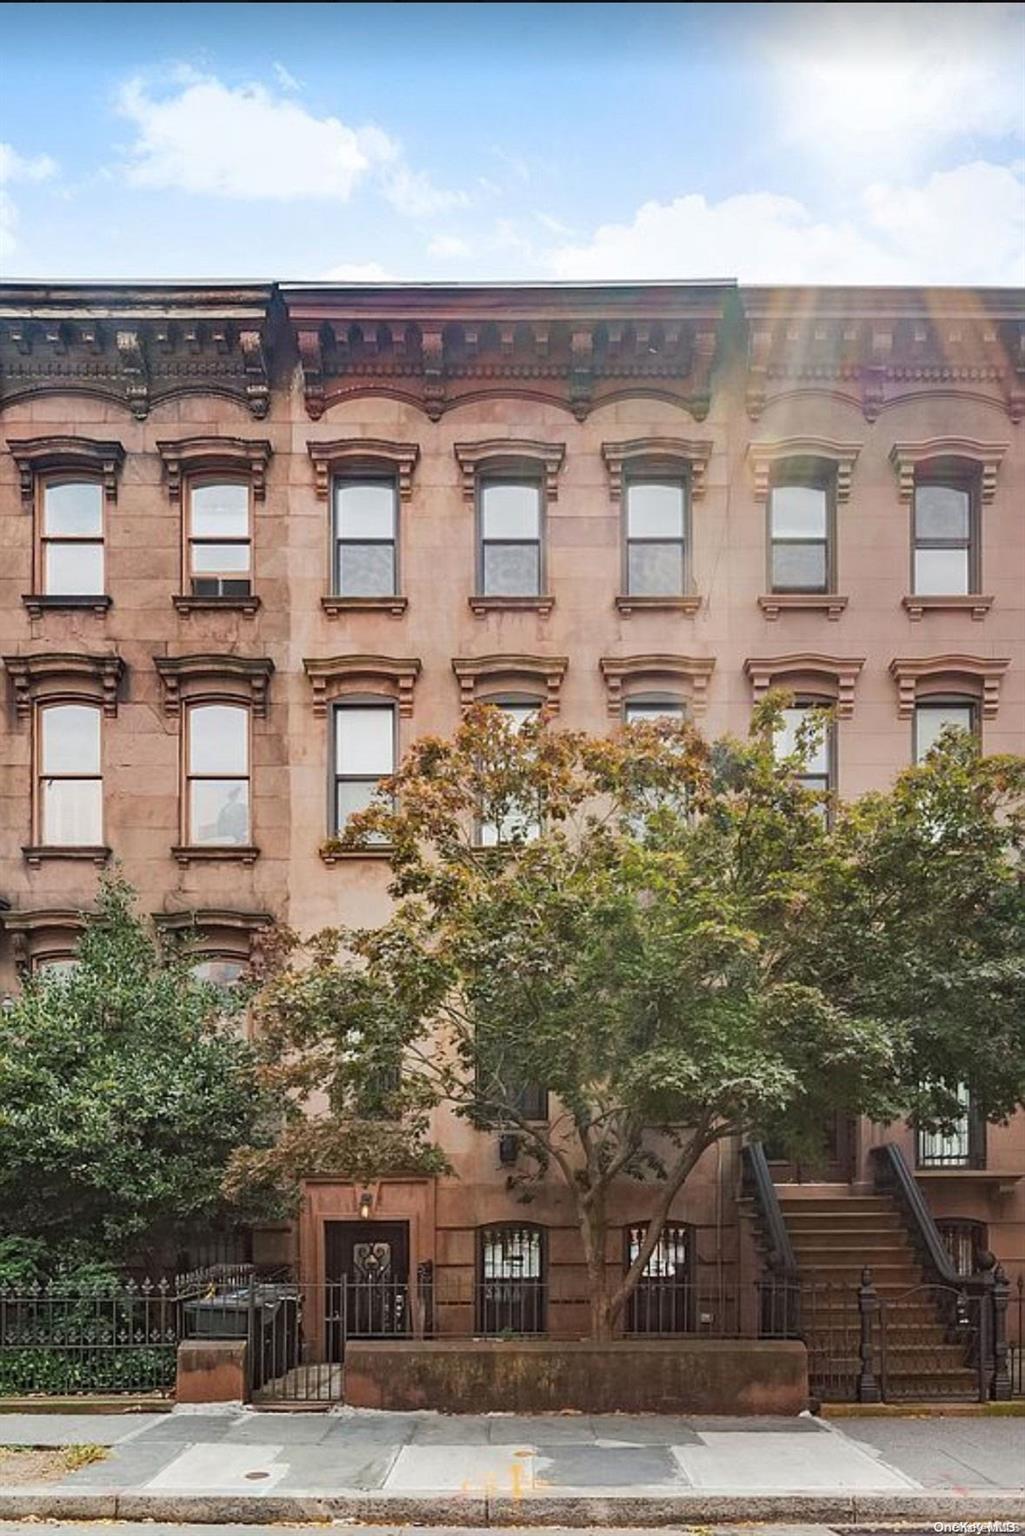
(868, 1309)
(1000, 1293)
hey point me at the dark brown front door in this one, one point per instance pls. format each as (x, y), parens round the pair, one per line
(835, 1166)
(366, 1266)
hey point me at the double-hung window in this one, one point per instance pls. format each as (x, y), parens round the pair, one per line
(945, 556)
(510, 537)
(364, 537)
(518, 822)
(70, 786)
(219, 539)
(817, 772)
(656, 536)
(800, 533)
(217, 776)
(364, 754)
(71, 538)
(932, 718)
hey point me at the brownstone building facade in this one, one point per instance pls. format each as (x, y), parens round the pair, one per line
(256, 539)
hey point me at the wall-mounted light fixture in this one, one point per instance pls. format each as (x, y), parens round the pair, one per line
(366, 1202)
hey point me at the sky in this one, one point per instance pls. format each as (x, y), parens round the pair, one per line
(827, 143)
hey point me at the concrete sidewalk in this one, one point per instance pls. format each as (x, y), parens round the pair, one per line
(500, 1469)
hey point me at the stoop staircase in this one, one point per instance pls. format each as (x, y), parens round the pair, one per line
(835, 1234)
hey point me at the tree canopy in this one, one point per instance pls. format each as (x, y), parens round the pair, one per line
(123, 1092)
(674, 938)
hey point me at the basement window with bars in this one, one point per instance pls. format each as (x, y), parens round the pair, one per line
(663, 1301)
(512, 1287)
(964, 1240)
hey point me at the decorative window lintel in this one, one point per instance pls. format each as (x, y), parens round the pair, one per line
(694, 672)
(473, 457)
(241, 931)
(355, 452)
(836, 675)
(34, 933)
(245, 678)
(764, 455)
(687, 453)
(546, 672)
(981, 674)
(330, 675)
(213, 455)
(907, 458)
(40, 455)
(64, 674)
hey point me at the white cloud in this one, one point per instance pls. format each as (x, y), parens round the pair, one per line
(247, 142)
(448, 245)
(960, 226)
(285, 78)
(357, 272)
(886, 84)
(13, 168)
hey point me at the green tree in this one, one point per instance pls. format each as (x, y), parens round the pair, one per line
(675, 939)
(123, 1092)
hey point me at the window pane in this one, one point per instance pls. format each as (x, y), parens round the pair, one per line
(518, 714)
(220, 557)
(941, 512)
(364, 740)
(637, 710)
(218, 973)
(219, 811)
(510, 1254)
(799, 567)
(71, 739)
(941, 570)
(73, 570)
(512, 570)
(510, 511)
(218, 739)
(798, 511)
(655, 570)
(932, 719)
(366, 570)
(220, 511)
(75, 509)
(55, 965)
(785, 742)
(365, 511)
(655, 510)
(72, 812)
(352, 795)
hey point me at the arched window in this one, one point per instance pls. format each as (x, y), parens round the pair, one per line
(663, 1301)
(933, 715)
(512, 1279)
(217, 776)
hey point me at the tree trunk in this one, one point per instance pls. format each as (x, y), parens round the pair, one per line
(593, 1228)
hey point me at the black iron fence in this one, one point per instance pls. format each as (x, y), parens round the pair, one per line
(55, 1341)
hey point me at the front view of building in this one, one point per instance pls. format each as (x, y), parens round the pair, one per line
(257, 539)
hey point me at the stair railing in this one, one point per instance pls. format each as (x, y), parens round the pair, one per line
(779, 1287)
(988, 1288)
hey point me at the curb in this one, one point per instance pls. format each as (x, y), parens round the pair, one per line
(573, 1510)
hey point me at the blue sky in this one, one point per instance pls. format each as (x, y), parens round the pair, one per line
(773, 142)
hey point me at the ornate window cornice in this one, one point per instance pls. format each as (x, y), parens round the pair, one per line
(242, 678)
(907, 458)
(693, 673)
(764, 455)
(544, 673)
(355, 452)
(241, 456)
(835, 676)
(473, 457)
(53, 675)
(979, 676)
(333, 675)
(34, 456)
(685, 453)
(220, 928)
(33, 933)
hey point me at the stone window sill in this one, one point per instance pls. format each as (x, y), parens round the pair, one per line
(331, 855)
(482, 604)
(685, 603)
(38, 603)
(333, 606)
(773, 604)
(186, 603)
(215, 854)
(916, 604)
(40, 853)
